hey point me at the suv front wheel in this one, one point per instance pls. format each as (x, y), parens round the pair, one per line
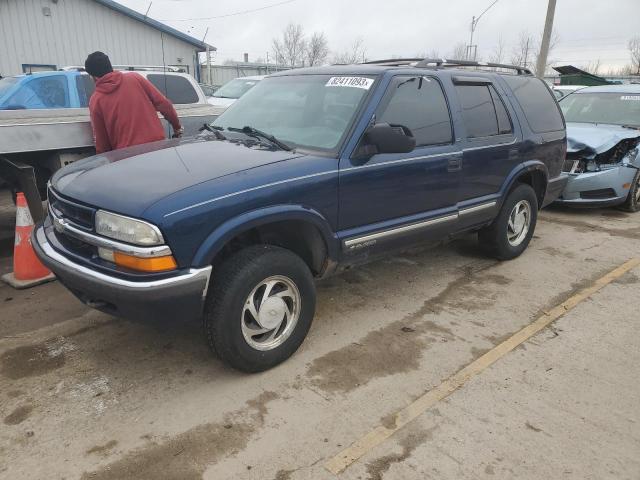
(510, 233)
(259, 308)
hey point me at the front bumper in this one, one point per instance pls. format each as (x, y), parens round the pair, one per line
(178, 297)
(580, 188)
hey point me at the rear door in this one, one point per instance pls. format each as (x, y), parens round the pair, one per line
(386, 193)
(490, 146)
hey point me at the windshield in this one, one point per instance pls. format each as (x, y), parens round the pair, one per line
(301, 110)
(235, 88)
(6, 83)
(612, 108)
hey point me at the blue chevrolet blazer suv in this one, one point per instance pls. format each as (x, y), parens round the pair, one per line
(312, 170)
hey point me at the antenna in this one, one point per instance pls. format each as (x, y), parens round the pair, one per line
(147, 12)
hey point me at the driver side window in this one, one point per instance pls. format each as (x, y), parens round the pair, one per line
(419, 104)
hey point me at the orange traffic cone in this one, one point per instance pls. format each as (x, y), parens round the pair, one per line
(27, 269)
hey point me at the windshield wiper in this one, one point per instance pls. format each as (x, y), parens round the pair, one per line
(632, 127)
(215, 129)
(254, 132)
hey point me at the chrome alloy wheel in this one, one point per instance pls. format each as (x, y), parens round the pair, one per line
(519, 223)
(270, 313)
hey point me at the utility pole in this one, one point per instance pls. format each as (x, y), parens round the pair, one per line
(526, 53)
(546, 39)
(208, 57)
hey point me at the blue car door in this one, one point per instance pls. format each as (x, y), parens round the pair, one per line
(389, 200)
(491, 147)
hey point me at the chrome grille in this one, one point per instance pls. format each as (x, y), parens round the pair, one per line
(74, 212)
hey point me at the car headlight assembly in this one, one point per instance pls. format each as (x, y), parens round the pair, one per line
(127, 229)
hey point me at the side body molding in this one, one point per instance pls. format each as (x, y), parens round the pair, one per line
(248, 220)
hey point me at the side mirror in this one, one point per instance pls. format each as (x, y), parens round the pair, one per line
(390, 138)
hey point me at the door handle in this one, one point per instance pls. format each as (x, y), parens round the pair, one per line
(454, 163)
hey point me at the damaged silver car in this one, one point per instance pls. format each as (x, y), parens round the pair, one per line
(603, 152)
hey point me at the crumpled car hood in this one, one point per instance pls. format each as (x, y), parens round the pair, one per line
(592, 139)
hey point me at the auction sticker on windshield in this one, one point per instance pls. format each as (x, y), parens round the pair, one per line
(357, 82)
(630, 97)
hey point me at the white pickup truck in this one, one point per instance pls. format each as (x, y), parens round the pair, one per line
(44, 120)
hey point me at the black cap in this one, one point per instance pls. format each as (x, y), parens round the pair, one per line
(98, 64)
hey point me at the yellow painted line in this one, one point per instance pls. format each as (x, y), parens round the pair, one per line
(359, 448)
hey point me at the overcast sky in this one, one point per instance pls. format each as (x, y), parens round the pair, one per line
(587, 30)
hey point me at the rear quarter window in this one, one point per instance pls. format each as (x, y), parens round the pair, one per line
(86, 87)
(177, 89)
(539, 106)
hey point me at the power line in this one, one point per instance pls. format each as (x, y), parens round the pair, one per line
(243, 12)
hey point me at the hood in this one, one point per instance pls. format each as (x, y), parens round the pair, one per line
(109, 82)
(130, 180)
(593, 139)
(220, 102)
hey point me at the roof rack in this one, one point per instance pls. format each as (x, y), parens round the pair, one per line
(394, 62)
(139, 68)
(443, 62)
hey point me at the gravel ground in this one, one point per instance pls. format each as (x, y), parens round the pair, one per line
(85, 395)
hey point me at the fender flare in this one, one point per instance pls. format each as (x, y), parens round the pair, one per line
(231, 228)
(525, 167)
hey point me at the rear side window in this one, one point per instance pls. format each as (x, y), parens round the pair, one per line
(86, 87)
(419, 104)
(483, 111)
(177, 89)
(540, 108)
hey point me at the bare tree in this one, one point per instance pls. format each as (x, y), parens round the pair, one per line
(433, 53)
(290, 50)
(593, 67)
(459, 51)
(317, 49)
(356, 54)
(498, 53)
(526, 51)
(634, 50)
(522, 53)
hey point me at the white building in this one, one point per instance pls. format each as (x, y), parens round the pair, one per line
(49, 34)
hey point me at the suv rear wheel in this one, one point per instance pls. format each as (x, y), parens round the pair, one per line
(510, 233)
(259, 308)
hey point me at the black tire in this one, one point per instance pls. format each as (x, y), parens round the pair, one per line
(495, 239)
(632, 203)
(232, 284)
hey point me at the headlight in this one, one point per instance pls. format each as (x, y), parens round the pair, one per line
(127, 229)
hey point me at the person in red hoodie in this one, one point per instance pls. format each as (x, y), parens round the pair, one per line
(123, 107)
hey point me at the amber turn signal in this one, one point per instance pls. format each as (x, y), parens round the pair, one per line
(152, 264)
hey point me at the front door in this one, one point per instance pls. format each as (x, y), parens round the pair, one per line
(391, 197)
